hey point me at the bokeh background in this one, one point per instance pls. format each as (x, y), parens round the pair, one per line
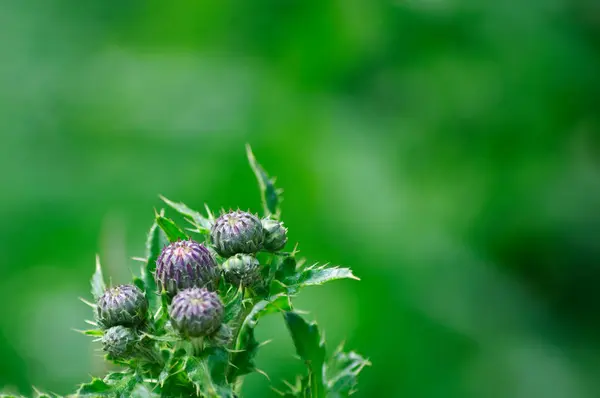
(447, 150)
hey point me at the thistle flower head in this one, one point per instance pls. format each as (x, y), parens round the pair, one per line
(119, 341)
(275, 235)
(242, 269)
(124, 305)
(196, 312)
(237, 232)
(186, 264)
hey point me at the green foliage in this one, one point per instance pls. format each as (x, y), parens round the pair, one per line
(171, 230)
(98, 285)
(158, 359)
(311, 349)
(203, 224)
(271, 196)
(155, 241)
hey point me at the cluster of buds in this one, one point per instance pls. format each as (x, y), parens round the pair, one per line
(188, 272)
(120, 311)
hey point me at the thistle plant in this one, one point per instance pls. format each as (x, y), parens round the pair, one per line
(185, 326)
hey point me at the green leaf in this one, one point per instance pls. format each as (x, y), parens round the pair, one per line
(173, 365)
(162, 315)
(98, 285)
(202, 371)
(246, 344)
(122, 383)
(342, 372)
(155, 242)
(271, 196)
(204, 224)
(96, 387)
(311, 348)
(173, 232)
(315, 275)
(233, 304)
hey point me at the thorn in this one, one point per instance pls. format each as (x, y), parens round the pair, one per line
(264, 343)
(91, 322)
(288, 384)
(87, 302)
(232, 365)
(140, 259)
(276, 391)
(262, 372)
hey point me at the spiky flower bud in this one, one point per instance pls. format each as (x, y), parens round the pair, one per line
(275, 235)
(242, 269)
(196, 312)
(237, 232)
(186, 264)
(119, 341)
(223, 336)
(124, 305)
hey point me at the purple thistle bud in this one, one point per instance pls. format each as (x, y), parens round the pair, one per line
(119, 341)
(124, 305)
(275, 235)
(242, 269)
(196, 312)
(237, 232)
(186, 264)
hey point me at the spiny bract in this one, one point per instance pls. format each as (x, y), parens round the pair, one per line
(119, 341)
(275, 235)
(124, 305)
(196, 312)
(186, 264)
(242, 269)
(237, 232)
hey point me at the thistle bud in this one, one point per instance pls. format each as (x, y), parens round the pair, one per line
(186, 264)
(237, 232)
(223, 336)
(124, 305)
(242, 269)
(119, 341)
(275, 235)
(196, 312)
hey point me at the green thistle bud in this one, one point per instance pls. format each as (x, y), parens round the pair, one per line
(275, 235)
(223, 336)
(242, 269)
(186, 264)
(124, 305)
(237, 232)
(119, 341)
(196, 312)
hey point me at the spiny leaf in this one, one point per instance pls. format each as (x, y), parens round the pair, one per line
(98, 285)
(310, 347)
(319, 275)
(233, 305)
(271, 196)
(173, 365)
(173, 232)
(315, 275)
(155, 242)
(123, 383)
(96, 387)
(246, 344)
(200, 373)
(204, 224)
(342, 372)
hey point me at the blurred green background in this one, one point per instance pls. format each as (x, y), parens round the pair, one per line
(446, 150)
